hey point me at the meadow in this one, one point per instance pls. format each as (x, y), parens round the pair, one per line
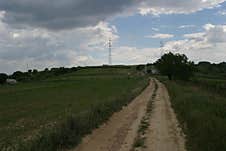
(201, 112)
(215, 85)
(54, 113)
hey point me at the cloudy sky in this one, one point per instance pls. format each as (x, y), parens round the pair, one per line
(53, 33)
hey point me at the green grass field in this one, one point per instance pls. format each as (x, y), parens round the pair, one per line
(27, 108)
(215, 85)
(202, 114)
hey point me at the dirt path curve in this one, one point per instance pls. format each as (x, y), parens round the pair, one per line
(163, 133)
(119, 132)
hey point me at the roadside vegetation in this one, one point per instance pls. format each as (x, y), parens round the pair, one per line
(214, 85)
(202, 115)
(211, 77)
(55, 113)
(200, 104)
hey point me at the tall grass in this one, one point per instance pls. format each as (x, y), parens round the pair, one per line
(214, 85)
(67, 132)
(202, 115)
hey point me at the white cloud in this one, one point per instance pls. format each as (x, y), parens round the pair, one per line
(208, 45)
(158, 7)
(195, 36)
(84, 32)
(160, 36)
(198, 50)
(133, 55)
(42, 48)
(81, 13)
(215, 33)
(212, 34)
(186, 26)
(155, 29)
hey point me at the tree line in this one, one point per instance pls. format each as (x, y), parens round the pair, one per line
(35, 75)
(174, 66)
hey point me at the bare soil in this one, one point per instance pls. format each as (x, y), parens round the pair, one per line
(164, 133)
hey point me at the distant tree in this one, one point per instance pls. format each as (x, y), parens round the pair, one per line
(46, 70)
(140, 67)
(17, 75)
(175, 66)
(3, 78)
(35, 71)
(74, 69)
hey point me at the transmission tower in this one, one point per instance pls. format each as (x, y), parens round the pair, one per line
(109, 55)
(161, 47)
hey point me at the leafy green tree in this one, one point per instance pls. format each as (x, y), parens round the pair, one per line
(175, 66)
(3, 78)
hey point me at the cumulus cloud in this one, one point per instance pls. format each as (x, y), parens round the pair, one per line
(66, 14)
(47, 33)
(157, 7)
(60, 14)
(212, 34)
(215, 33)
(134, 55)
(40, 48)
(160, 36)
(198, 50)
(196, 36)
(208, 45)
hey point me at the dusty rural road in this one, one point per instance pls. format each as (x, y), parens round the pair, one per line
(119, 133)
(164, 133)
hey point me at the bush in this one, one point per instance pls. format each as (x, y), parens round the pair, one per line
(140, 67)
(3, 78)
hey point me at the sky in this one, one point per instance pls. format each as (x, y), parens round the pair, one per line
(55, 33)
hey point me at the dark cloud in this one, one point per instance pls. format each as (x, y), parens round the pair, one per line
(64, 14)
(60, 14)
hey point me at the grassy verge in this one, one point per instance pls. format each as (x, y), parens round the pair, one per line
(202, 115)
(56, 113)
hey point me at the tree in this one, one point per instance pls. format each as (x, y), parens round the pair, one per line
(175, 66)
(17, 75)
(140, 67)
(35, 71)
(3, 78)
(46, 70)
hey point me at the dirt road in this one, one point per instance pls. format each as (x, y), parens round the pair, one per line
(119, 133)
(164, 133)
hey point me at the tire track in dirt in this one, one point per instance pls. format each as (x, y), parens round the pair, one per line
(119, 132)
(164, 133)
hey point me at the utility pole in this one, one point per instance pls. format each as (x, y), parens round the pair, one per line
(110, 48)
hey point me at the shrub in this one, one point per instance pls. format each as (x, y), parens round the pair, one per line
(3, 78)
